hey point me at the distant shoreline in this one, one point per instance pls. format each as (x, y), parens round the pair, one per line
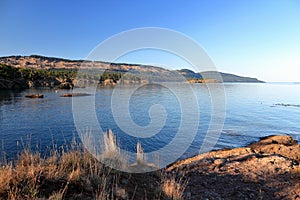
(40, 71)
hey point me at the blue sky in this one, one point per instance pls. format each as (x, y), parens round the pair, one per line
(252, 38)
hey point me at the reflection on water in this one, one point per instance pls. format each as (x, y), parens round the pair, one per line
(8, 96)
(250, 114)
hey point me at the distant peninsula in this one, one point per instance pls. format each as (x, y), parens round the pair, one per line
(213, 75)
(22, 72)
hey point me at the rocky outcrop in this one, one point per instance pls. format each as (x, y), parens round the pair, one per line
(109, 82)
(47, 82)
(268, 169)
(66, 85)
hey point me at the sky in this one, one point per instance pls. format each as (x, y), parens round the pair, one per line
(250, 38)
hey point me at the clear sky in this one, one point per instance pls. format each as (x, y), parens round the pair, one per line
(252, 38)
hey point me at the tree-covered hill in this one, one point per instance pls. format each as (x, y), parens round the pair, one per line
(41, 71)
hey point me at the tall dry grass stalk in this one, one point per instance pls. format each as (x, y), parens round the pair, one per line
(140, 156)
(111, 153)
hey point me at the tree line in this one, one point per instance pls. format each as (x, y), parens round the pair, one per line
(10, 72)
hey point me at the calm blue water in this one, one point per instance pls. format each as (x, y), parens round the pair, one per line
(250, 113)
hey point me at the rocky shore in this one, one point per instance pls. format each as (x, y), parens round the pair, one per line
(268, 169)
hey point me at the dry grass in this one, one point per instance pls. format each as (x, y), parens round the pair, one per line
(173, 188)
(54, 177)
(76, 174)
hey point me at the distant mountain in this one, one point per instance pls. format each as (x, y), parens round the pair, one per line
(232, 78)
(144, 71)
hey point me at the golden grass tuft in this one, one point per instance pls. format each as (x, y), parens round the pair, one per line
(173, 188)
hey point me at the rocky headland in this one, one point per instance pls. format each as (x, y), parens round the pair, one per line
(267, 169)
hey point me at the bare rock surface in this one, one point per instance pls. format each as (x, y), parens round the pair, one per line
(268, 169)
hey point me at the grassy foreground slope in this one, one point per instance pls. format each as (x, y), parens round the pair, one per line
(268, 169)
(76, 174)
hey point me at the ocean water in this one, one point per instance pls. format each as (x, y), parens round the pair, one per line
(251, 111)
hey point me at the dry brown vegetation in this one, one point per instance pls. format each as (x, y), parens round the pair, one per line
(268, 169)
(76, 174)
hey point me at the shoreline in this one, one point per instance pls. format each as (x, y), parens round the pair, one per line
(22, 72)
(265, 169)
